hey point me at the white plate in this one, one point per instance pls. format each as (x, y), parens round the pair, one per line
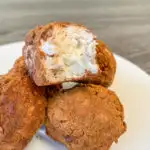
(132, 86)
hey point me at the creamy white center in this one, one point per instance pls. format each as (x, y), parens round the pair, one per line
(69, 85)
(70, 52)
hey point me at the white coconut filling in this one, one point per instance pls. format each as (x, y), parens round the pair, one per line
(69, 85)
(70, 52)
(48, 48)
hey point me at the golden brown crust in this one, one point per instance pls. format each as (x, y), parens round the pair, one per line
(22, 108)
(107, 65)
(105, 59)
(33, 56)
(88, 117)
(42, 32)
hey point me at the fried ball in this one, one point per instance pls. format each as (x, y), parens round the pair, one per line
(87, 117)
(66, 52)
(22, 108)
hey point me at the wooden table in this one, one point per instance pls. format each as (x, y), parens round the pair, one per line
(123, 24)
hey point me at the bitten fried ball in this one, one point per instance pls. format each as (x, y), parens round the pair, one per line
(66, 52)
(87, 117)
(22, 108)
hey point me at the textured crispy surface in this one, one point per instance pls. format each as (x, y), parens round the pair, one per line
(22, 108)
(107, 64)
(34, 58)
(88, 117)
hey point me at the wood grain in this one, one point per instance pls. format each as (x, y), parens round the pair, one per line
(123, 24)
